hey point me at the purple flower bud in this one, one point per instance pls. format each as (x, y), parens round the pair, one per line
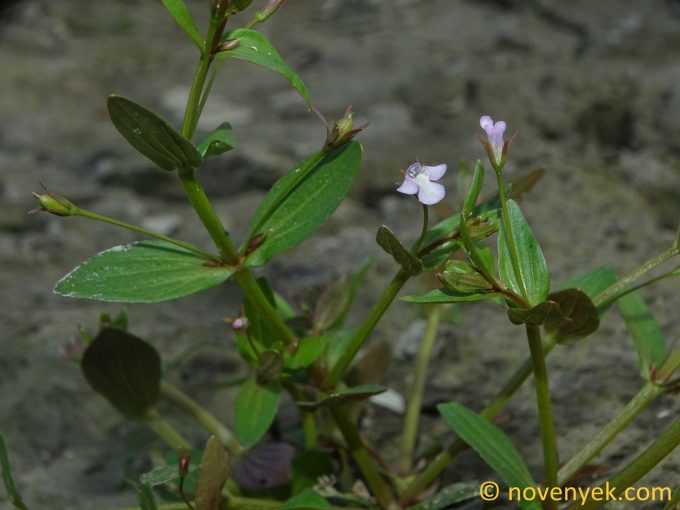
(494, 131)
(420, 179)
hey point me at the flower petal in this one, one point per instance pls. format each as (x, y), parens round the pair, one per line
(431, 193)
(434, 173)
(486, 122)
(408, 187)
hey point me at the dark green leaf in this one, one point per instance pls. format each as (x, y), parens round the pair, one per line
(331, 304)
(179, 12)
(212, 475)
(308, 351)
(302, 200)
(238, 5)
(8, 479)
(542, 313)
(306, 500)
(532, 266)
(492, 445)
(401, 254)
(270, 367)
(255, 48)
(219, 141)
(308, 466)
(124, 369)
(151, 135)
(449, 296)
(145, 498)
(449, 496)
(345, 396)
(475, 189)
(255, 409)
(644, 330)
(372, 366)
(581, 313)
(142, 272)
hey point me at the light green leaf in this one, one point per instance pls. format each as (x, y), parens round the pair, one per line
(492, 445)
(308, 499)
(449, 496)
(255, 409)
(179, 12)
(302, 200)
(212, 475)
(254, 47)
(219, 141)
(449, 296)
(592, 282)
(475, 189)
(124, 369)
(160, 475)
(532, 266)
(142, 272)
(643, 328)
(151, 135)
(354, 394)
(308, 351)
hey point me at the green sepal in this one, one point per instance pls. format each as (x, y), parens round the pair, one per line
(218, 141)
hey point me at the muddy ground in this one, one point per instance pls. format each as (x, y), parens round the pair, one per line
(591, 88)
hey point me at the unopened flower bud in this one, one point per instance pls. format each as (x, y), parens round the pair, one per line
(183, 461)
(463, 277)
(227, 45)
(55, 204)
(270, 8)
(342, 132)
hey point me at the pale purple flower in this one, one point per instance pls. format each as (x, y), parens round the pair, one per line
(420, 179)
(495, 133)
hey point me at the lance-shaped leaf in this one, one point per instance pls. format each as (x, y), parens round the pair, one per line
(254, 47)
(355, 394)
(542, 313)
(643, 328)
(532, 267)
(220, 140)
(301, 201)
(124, 369)
(449, 496)
(401, 254)
(179, 12)
(8, 479)
(331, 304)
(592, 282)
(151, 135)
(212, 475)
(145, 498)
(582, 317)
(449, 296)
(255, 409)
(492, 445)
(142, 272)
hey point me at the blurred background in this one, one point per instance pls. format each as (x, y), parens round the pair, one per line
(591, 88)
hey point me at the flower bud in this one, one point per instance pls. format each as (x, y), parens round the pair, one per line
(463, 277)
(55, 204)
(183, 461)
(269, 9)
(342, 132)
(227, 45)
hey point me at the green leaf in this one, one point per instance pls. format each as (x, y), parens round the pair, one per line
(592, 282)
(308, 499)
(532, 266)
(331, 304)
(400, 253)
(160, 475)
(124, 369)
(8, 479)
(142, 272)
(254, 47)
(308, 351)
(145, 498)
(355, 282)
(439, 255)
(219, 141)
(449, 296)
(643, 328)
(345, 396)
(255, 409)
(212, 475)
(238, 5)
(449, 496)
(308, 466)
(302, 200)
(179, 12)
(582, 317)
(545, 312)
(475, 189)
(492, 445)
(151, 135)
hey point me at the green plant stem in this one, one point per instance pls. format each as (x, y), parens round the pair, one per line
(668, 368)
(374, 315)
(8, 479)
(639, 467)
(306, 417)
(509, 235)
(638, 403)
(545, 413)
(164, 430)
(612, 292)
(374, 479)
(443, 459)
(134, 228)
(201, 416)
(415, 399)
